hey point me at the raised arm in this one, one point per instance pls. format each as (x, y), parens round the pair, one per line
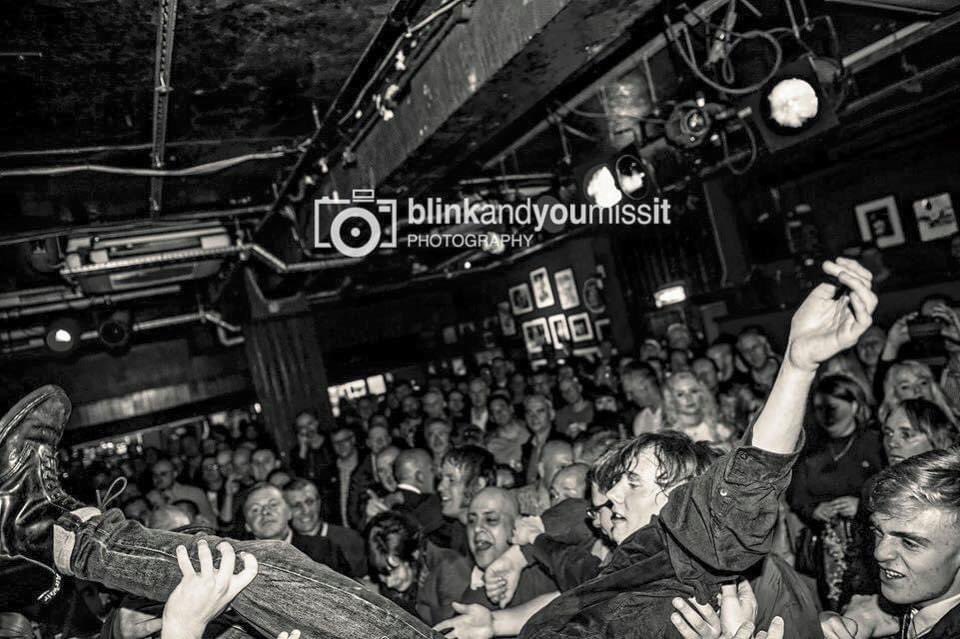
(822, 327)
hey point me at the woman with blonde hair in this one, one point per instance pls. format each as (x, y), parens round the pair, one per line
(690, 408)
(908, 380)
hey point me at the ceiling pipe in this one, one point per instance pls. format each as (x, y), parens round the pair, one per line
(21, 306)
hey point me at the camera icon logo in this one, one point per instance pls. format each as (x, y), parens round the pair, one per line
(356, 229)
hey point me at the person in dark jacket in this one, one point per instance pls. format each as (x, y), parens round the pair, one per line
(304, 502)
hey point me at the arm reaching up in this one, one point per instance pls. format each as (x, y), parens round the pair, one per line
(823, 326)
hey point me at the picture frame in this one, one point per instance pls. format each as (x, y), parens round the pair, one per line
(540, 285)
(508, 328)
(559, 330)
(936, 218)
(520, 300)
(566, 284)
(536, 334)
(581, 328)
(602, 328)
(879, 222)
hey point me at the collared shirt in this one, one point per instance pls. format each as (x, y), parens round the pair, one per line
(412, 489)
(345, 469)
(648, 421)
(289, 536)
(479, 418)
(923, 620)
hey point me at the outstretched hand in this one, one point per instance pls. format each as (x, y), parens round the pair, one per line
(473, 621)
(824, 326)
(200, 597)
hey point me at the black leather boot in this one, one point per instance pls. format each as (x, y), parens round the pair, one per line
(31, 498)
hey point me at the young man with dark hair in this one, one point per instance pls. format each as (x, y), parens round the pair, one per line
(465, 471)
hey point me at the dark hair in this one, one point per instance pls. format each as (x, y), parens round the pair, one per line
(392, 534)
(678, 457)
(475, 463)
(847, 389)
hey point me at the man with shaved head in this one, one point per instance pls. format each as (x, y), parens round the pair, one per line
(569, 483)
(534, 498)
(490, 519)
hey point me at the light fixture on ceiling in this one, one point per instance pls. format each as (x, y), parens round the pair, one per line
(669, 294)
(63, 336)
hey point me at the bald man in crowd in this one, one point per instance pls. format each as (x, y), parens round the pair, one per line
(534, 498)
(490, 520)
(415, 489)
(569, 483)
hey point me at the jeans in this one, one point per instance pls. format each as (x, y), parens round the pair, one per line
(289, 592)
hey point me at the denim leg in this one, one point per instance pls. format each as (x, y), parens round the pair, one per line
(289, 592)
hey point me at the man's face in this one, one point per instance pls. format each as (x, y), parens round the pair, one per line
(679, 337)
(308, 428)
(500, 411)
(870, 346)
(266, 513)
(540, 382)
(601, 513)
(262, 464)
(570, 391)
(378, 438)
(163, 475)
(636, 496)
(558, 455)
(565, 486)
(385, 468)
(380, 421)
(410, 406)
(754, 350)
(641, 390)
(706, 372)
(679, 361)
(489, 526)
(452, 490)
(479, 392)
(225, 462)
(344, 444)
(499, 369)
(401, 575)
(901, 440)
(241, 462)
(438, 437)
(433, 404)
(365, 408)
(404, 390)
(918, 555)
(304, 508)
(210, 471)
(456, 402)
(722, 357)
(539, 415)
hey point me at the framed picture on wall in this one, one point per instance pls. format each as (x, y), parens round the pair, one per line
(520, 300)
(602, 327)
(567, 288)
(581, 328)
(935, 217)
(542, 291)
(507, 325)
(536, 334)
(559, 330)
(879, 222)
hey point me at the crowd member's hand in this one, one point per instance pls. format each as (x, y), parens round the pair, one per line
(951, 320)
(375, 505)
(835, 626)
(870, 619)
(473, 622)
(846, 506)
(897, 336)
(526, 530)
(738, 607)
(133, 624)
(824, 326)
(200, 597)
(500, 579)
(232, 485)
(292, 635)
(824, 511)
(775, 631)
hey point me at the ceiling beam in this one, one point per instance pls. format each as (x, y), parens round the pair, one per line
(163, 64)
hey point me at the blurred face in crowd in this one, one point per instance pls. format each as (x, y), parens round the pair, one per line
(901, 440)
(479, 393)
(706, 372)
(722, 357)
(137, 509)
(501, 412)
(266, 513)
(344, 443)
(909, 385)
(605, 377)
(380, 421)
(650, 349)
(225, 462)
(456, 402)
(189, 446)
(490, 520)
(410, 406)
(570, 390)
(366, 407)
(262, 463)
(401, 575)
(679, 361)
(601, 511)
(452, 490)
(308, 429)
(404, 389)
(304, 507)
(566, 484)
(210, 472)
(539, 414)
(678, 336)
(870, 345)
(518, 386)
(433, 405)
(641, 390)
(919, 556)
(687, 394)
(565, 372)
(498, 369)
(437, 434)
(835, 415)
(605, 403)
(636, 496)
(164, 475)
(378, 438)
(555, 455)
(408, 430)
(754, 350)
(540, 382)
(385, 467)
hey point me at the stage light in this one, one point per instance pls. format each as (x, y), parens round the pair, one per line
(601, 188)
(116, 330)
(63, 336)
(670, 294)
(635, 177)
(467, 265)
(793, 102)
(494, 244)
(689, 124)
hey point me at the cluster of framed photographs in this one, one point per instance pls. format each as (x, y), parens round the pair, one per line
(540, 293)
(561, 331)
(879, 220)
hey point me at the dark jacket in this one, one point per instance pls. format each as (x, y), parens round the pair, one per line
(426, 509)
(349, 545)
(321, 551)
(712, 529)
(947, 628)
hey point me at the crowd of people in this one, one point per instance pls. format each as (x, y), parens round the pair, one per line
(690, 489)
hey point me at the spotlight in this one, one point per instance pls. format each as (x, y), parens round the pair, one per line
(793, 102)
(635, 177)
(467, 265)
(689, 124)
(63, 336)
(116, 330)
(601, 188)
(670, 294)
